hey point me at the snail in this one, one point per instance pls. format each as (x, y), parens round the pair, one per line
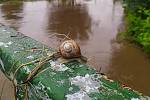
(70, 49)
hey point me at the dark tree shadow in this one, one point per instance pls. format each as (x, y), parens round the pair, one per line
(67, 16)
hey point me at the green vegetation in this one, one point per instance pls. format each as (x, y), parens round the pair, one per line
(138, 23)
(3, 0)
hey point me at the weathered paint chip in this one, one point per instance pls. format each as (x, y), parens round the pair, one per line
(135, 99)
(30, 57)
(58, 66)
(5, 44)
(27, 69)
(81, 95)
(86, 83)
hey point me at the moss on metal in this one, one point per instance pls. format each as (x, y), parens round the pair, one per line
(19, 55)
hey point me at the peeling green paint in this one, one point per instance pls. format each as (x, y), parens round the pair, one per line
(54, 81)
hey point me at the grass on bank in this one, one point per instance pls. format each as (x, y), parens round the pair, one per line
(138, 23)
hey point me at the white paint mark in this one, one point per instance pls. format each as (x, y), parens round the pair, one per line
(61, 82)
(57, 66)
(16, 51)
(27, 69)
(40, 87)
(86, 83)
(71, 88)
(2, 64)
(49, 88)
(4, 30)
(9, 43)
(30, 57)
(2, 43)
(5, 44)
(78, 96)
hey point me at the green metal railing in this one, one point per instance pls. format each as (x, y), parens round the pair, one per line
(55, 80)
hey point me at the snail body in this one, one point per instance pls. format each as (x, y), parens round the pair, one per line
(70, 49)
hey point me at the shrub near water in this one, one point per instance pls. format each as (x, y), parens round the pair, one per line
(138, 22)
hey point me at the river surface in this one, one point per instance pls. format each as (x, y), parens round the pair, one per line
(94, 24)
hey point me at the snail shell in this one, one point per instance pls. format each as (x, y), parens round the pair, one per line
(70, 49)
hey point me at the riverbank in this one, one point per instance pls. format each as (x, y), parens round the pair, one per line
(138, 23)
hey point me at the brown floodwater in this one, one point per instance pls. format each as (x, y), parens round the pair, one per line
(94, 24)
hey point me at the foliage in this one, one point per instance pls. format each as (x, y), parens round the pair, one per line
(138, 22)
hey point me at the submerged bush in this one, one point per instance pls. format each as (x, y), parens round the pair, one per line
(138, 22)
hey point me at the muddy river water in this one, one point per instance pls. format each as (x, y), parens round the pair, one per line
(94, 24)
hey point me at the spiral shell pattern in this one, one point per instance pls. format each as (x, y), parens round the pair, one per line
(70, 49)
